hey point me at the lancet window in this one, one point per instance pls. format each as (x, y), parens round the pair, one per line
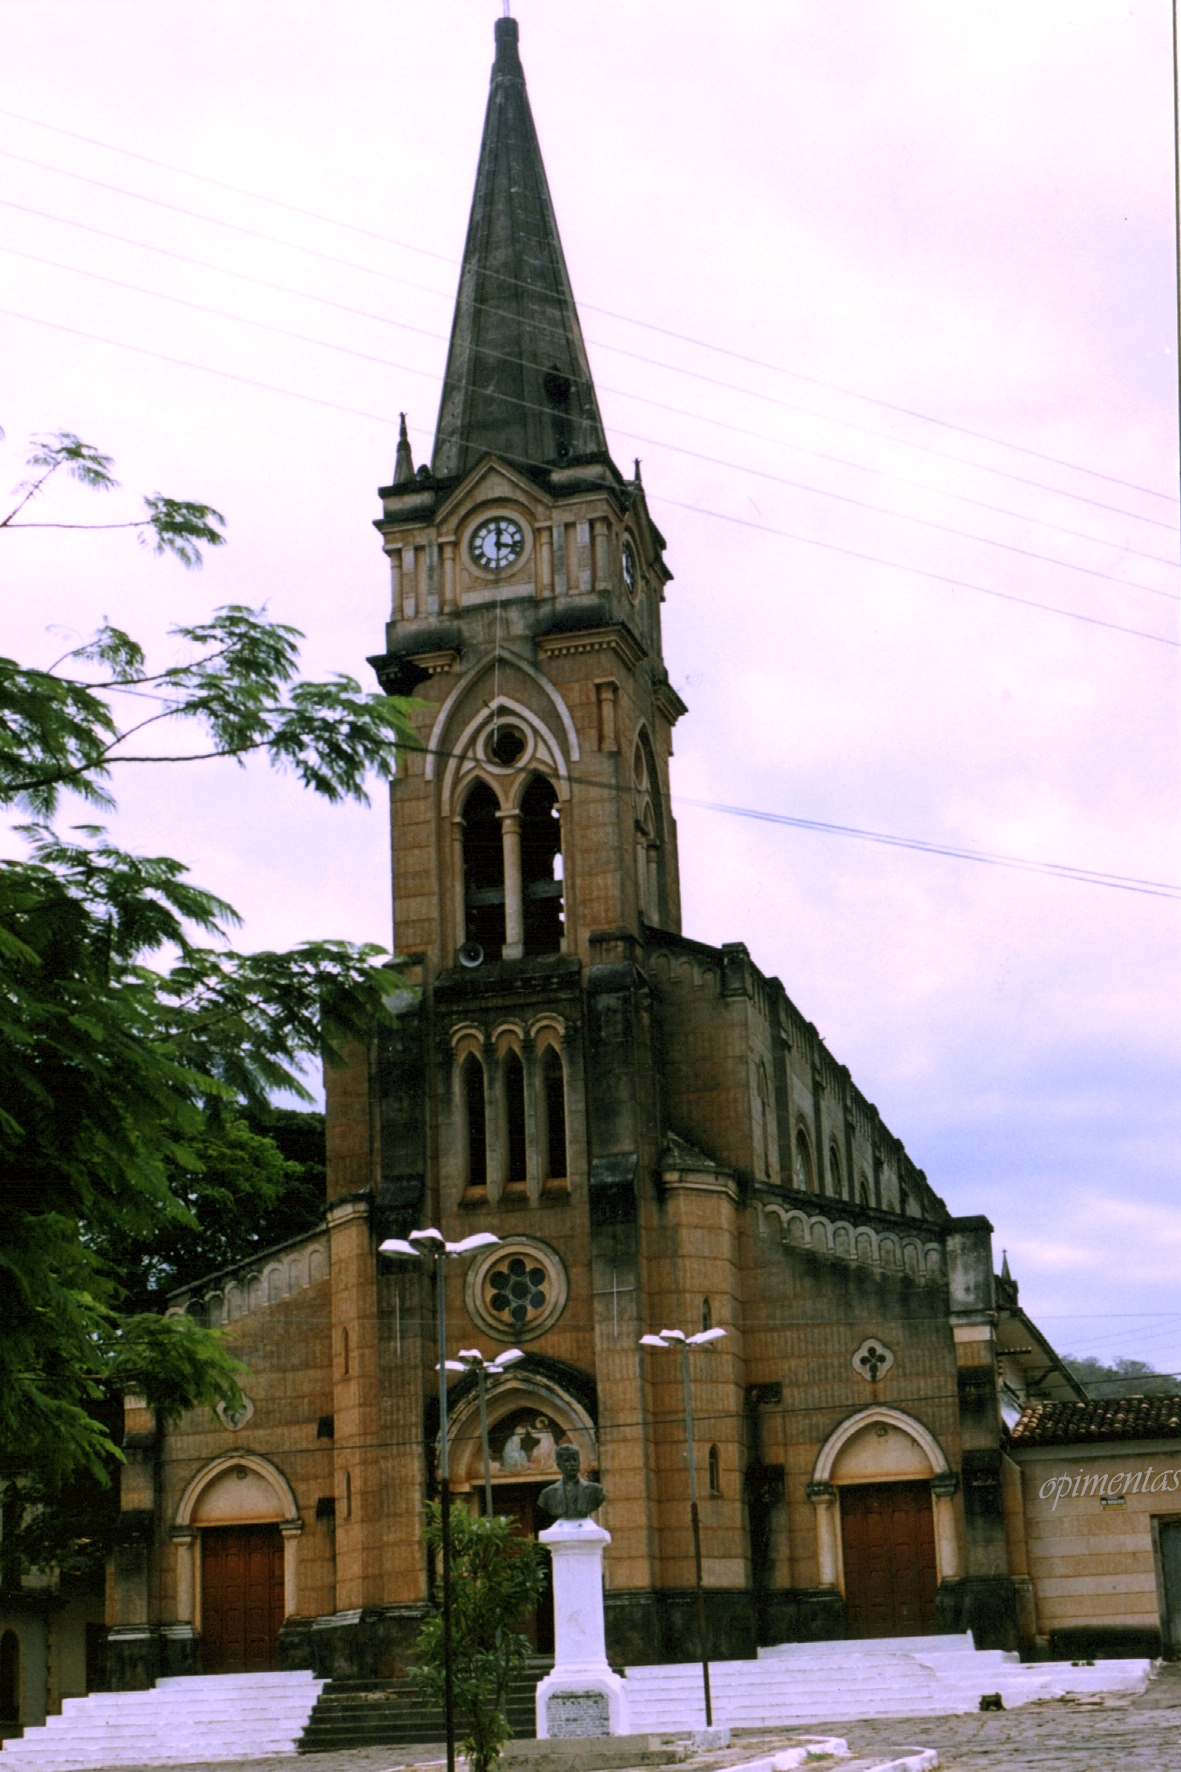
(553, 1104)
(648, 833)
(834, 1172)
(805, 1180)
(475, 1122)
(512, 1083)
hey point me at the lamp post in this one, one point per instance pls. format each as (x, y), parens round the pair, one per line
(472, 1360)
(677, 1338)
(420, 1242)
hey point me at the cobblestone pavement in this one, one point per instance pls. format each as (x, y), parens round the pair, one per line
(1059, 1735)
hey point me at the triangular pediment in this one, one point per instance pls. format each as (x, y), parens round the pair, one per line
(491, 481)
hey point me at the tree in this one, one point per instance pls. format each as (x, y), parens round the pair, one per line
(496, 1577)
(1126, 1378)
(133, 1033)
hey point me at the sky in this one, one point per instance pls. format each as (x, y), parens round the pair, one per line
(883, 297)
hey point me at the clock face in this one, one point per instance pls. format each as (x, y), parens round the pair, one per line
(497, 542)
(629, 568)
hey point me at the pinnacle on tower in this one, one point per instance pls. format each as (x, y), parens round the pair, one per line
(518, 383)
(404, 460)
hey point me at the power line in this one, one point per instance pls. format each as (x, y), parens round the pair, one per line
(921, 572)
(589, 307)
(651, 442)
(832, 547)
(623, 393)
(254, 233)
(1061, 870)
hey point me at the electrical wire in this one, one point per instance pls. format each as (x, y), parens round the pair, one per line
(665, 332)
(652, 442)
(425, 332)
(833, 547)
(384, 419)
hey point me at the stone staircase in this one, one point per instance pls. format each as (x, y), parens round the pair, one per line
(390, 1713)
(803, 1683)
(194, 1717)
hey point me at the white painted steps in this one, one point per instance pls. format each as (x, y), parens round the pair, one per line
(191, 1717)
(800, 1683)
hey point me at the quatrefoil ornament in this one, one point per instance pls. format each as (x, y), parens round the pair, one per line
(872, 1360)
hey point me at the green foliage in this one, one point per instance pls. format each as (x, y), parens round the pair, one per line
(246, 1195)
(174, 526)
(140, 1049)
(1126, 1378)
(496, 1577)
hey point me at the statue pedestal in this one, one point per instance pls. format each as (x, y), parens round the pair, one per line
(582, 1697)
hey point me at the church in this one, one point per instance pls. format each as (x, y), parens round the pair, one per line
(652, 1129)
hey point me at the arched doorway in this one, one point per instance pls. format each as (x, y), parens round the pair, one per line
(235, 1540)
(886, 1530)
(528, 1419)
(10, 1680)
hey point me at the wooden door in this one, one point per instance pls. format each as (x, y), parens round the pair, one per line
(888, 1532)
(1170, 1557)
(241, 1598)
(518, 1502)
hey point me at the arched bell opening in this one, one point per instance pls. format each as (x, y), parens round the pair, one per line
(542, 884)
(483, 871)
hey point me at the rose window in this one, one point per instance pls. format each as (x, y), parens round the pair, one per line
(517, 1290)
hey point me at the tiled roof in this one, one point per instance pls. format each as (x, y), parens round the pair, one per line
(1101, 1418)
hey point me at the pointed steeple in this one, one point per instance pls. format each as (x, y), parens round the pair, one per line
(518, 381)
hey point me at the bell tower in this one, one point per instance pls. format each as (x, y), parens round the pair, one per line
(527, 578)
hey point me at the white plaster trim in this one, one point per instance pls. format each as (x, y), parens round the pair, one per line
(285, 1502)
(464, 683)
(502, 780)
(827, 1456)
(528, 1391)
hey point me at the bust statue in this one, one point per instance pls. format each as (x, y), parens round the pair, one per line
(571, 1497)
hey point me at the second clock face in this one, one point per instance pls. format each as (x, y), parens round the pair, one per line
(496, 543)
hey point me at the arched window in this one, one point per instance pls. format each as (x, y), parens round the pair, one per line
(834, 1172)
(483, 870)
(804, 1176)
(764, 1095)
(715, 1472)
(707, 1316)
(649, 881)
(10, 1677)
(475, 1122)
(553, 1096)
(541, 868)
(863, 1189)
(512, 1073)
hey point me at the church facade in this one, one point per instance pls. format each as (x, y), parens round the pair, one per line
(656, 1134)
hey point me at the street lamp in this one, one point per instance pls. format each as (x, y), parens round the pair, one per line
(434, 1242)
(472, 1360)
(677, 1338)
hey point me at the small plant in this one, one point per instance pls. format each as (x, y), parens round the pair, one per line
(496, 1577)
